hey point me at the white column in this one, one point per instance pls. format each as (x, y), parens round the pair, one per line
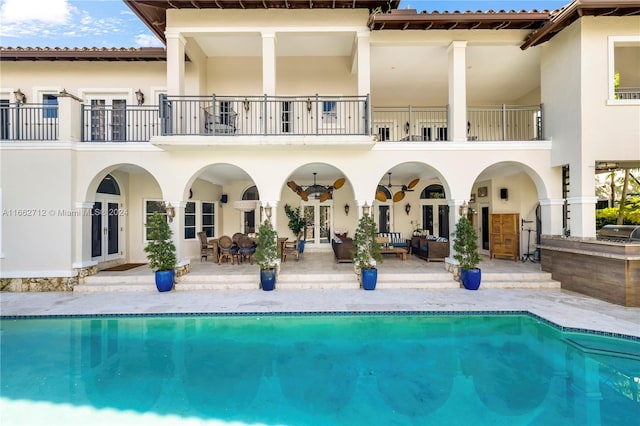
(177, 228)
(81, 229)
(269, 63)
(364, 63)
(582, 216)
(551, 216)
(175, 63)
(457, 91)
(364, 76)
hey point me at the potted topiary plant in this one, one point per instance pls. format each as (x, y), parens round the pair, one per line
(367, 252)
(297, 223)
(465, 245)
(161, 251)
(266, 255)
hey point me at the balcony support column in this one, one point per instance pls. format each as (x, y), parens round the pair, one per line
(175, 63)
(363, 59)
(457, 91)
(269, 63)
(364, 63)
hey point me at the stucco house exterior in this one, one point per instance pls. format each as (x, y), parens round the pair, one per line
(503, 112)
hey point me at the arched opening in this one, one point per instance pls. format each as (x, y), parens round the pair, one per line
(106, 216)
(250, 217)
(434, 210)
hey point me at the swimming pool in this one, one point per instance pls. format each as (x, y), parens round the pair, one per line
(309, 369)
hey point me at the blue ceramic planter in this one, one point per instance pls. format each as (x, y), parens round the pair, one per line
(268, 279)
(164, 280)
(369, 278)
(470, 278)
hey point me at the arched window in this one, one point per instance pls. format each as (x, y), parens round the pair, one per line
(433, 192)
(108, 186)
(385, 191)
(251, 194)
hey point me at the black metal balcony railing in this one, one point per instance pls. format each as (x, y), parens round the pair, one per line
(23, 122)
(627, 93)
(489, 123)
(270, 115)
(120, 123)
(410, 123)
(264, 115)
(505, 123)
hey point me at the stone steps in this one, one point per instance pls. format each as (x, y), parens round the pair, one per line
(315, 281)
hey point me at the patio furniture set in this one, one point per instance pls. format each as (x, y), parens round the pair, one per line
(240, 248)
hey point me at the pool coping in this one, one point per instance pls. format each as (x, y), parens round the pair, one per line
(532, 315)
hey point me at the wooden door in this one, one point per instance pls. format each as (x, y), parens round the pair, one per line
(504, 237)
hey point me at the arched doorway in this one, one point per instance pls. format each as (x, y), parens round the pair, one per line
(249, 218)
(106, 218)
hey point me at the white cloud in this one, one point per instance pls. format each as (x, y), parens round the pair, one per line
(146, 40)
(48, 11)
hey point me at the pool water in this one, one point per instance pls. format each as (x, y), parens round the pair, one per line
(393, 369)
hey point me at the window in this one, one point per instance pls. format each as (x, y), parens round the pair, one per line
(329, 112)
(150, 208)
(208, 218)
(50, 106)
(426, 133)
(624, 62)
(442, 133)
(384, 133)
(4, 118)
(190, 221)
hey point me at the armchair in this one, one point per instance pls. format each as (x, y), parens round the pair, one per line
(220, 124)
(206, 248)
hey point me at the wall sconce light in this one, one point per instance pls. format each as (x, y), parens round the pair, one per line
(170, 210)
(407, 208)
(346, 209)
(140, 97)
(246, 104)
(267, 211)
(309, 105)
(365, 209)
(464, 209)
(407, 126)
(21, 98)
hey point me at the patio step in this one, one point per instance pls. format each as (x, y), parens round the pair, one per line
(416, 281)
(518, 280)
(316, 281)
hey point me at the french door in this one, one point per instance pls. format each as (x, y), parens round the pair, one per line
(106, 229)
(318, 224)
(108, 120)
(435, 219)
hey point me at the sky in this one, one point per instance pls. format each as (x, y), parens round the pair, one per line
(110, 23)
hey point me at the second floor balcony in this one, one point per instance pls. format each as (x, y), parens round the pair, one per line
(283, 116)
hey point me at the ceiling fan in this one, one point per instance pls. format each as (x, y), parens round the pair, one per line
(326, 192)
(398, 196)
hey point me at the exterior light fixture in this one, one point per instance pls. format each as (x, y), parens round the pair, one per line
(464, 208)
(365, 209)
(21, 98)
(309, 105)
(346, 209)
(407, 208)
(170, 210)
(267, 211)
(140, 97)
(246, 104)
